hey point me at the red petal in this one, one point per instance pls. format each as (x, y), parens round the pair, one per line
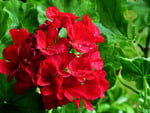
(57, 23)
(68, 19)
(51, 12)
(52, 35)
(49, 66)
(66, 58)
(100, 39)
(43, 81)
(73, 87)
(87, 104)
(84, 46)
(48, 90)
(22, 36)
(85, 19)
(78, 29)
(41, 39)
(20, 87)
(79, 66)
(104, 84)
(22, 76)
(97, 64)
(94, 92)
(52, 101)
(77, 102)
(14, 34)
(6, 67)
(67, 95)
(11, 53)
(61, 46)
(23, 82)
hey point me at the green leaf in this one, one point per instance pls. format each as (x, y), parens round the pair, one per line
(68, 108)
(63, 32)
(72, 108)
(116, 101)
(5, 39)
(110, 54)
(4, 20)
(22, 15)
(112, 16)
(29, 21)
(29, 102)
(142, 9)
(135, 70)
(103, 107)
(111, 77)
(41, 14)
(14, 13)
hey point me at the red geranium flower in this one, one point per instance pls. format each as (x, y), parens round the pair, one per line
(60, 18)
(12, 53)
(18, 57)
(91, 27)
(47, 61)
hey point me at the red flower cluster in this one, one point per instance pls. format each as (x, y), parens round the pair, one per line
(46, 60)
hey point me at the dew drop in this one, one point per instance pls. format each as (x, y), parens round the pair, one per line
(80, 46)
(5, 102)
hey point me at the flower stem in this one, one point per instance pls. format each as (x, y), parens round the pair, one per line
(129, 87)
(145, 91)
(146, 48)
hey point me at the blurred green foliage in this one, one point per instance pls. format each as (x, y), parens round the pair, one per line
(125, 24)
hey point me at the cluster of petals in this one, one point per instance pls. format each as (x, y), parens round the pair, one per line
(46, 61)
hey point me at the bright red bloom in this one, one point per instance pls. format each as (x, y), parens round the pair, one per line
(45, 42)
(84, 35)
(81, 39)
(82, 69)
(46, 60)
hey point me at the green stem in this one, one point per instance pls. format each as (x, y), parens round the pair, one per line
(134, 47)
(100, 101)
(138, 54)
(129, 87)
(145, 91)
(146, 48)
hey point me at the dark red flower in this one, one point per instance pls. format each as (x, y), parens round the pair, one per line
(52, 101)
(12, 53)
(51, 82)
(23, 82)
(17, 58)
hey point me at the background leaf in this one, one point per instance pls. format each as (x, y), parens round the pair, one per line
(29, 102)
(135, 70)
